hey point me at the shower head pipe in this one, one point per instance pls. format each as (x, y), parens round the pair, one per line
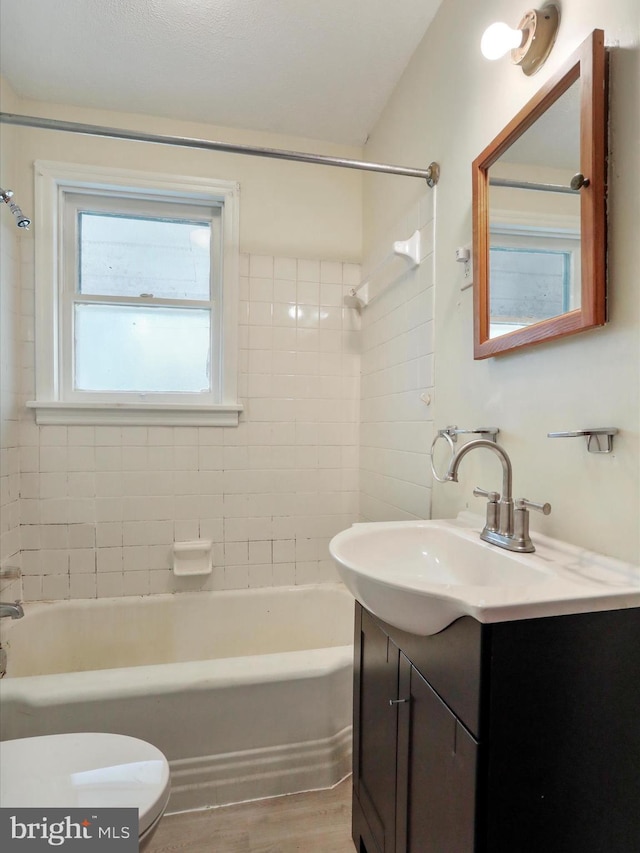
(22, 220)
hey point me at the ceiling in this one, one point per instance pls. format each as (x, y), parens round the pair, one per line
(321, 69)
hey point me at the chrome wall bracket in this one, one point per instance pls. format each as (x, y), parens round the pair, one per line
(599, 439)
(450, 435)
(454, 431)
(434, 174)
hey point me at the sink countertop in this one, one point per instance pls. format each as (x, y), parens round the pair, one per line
(422, 575)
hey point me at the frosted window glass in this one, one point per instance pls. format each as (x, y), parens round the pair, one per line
(528, 285)
(132, 255)
(144, 349)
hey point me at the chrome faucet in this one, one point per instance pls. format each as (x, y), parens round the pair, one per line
(507, 524)
(15, 611)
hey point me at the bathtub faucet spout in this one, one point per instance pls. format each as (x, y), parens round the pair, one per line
(15, 611)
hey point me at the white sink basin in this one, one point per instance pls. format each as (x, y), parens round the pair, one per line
(422, 575)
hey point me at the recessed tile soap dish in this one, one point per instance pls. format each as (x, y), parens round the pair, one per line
(192, 558)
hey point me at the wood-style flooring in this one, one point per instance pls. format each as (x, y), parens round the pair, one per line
(314, 822)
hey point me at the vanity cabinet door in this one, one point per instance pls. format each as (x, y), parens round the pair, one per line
(436, 772)
(375, 732)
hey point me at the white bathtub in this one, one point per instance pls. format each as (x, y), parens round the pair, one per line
(247, 692)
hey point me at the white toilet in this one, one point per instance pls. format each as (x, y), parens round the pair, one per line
(89, 769)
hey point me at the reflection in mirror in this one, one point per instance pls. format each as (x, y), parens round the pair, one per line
(534, 221)
(539, 213)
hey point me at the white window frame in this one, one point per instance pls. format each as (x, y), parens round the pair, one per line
(71, 294)
(56, 402)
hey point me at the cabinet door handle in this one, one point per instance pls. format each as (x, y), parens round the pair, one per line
(396, 701)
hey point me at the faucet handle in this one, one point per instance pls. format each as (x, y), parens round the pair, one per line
(523, 503)
(492, 497)
(521, 520)
(492, 507)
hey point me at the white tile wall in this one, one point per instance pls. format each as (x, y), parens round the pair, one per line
(396, 426)
(10, 325)
(101, 506)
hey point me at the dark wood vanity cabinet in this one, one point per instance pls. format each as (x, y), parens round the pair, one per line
(516, 737)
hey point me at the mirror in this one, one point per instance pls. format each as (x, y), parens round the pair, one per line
(539, 218)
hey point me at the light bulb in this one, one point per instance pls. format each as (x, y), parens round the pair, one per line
(499, 39)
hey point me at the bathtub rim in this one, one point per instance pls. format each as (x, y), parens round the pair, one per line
(175, 601)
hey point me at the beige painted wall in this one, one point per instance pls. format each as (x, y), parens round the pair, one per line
(287, 209)
(447, 107)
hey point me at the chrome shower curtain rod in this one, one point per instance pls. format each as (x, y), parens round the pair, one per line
(530, 185)
(430, 174)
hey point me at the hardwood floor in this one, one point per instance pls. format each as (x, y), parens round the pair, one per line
(315, 822)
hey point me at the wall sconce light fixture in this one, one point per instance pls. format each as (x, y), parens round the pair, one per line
(530, 44)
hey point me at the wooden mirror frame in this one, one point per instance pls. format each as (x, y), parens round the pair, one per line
(588, 65)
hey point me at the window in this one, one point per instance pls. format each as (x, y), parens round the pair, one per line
(535, 274)
(136, 298)
(527, 285)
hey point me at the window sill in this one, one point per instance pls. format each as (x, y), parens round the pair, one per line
(135, 414)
